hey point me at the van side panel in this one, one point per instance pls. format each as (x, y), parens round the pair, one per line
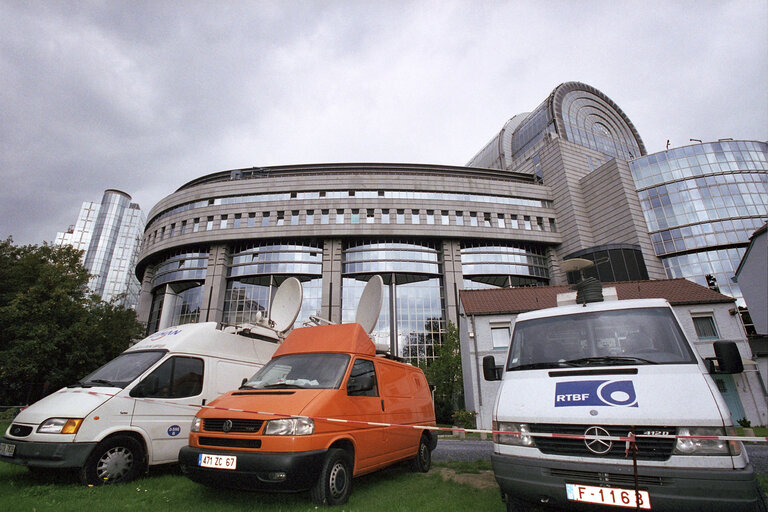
(405, 404)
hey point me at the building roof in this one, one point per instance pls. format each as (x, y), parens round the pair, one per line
(518, 300)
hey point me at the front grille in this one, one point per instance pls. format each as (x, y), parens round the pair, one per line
(619, 480)
(229, 443)
(648, 448)
(237, 425)
(20, 430)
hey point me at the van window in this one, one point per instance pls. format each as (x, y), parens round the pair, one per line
(123, 369)
(362, 379)
(300, 371)
(617, 337)
(178, 377)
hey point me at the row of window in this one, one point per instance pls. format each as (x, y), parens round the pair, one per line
(705, 199)
(353, 216)
(699, 160)
(701, 236)
(357, 194)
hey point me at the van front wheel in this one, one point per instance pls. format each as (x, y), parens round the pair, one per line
(114, 460)
(334, 485)
(423, 460)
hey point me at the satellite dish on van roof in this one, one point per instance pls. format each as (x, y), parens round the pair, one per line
(369, 307)
(286, 305)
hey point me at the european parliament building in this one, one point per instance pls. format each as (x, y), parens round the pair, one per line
(553, 184)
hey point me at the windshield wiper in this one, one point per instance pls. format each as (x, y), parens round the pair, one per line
(546, 364)
(105, 382)
(609, 360)
(79, 384)
(283, 385)
(246, 386)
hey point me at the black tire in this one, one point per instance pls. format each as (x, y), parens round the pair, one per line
(114, 460)
(423, 459)
(515, 505)
(334, 484)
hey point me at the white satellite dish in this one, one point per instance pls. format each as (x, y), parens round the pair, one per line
(369, 307)
(576, 264)
(286, 305)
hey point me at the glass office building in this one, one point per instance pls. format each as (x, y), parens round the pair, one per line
(701, 204)
(109, 234)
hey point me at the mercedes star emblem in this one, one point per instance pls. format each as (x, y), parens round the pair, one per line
(598, 446)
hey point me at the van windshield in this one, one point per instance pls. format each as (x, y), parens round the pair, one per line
(122, 370)
(311, 371)
(601, 338)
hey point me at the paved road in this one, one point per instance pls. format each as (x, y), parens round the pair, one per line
(453, 449)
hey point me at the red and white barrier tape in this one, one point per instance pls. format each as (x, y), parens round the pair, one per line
(630, 438)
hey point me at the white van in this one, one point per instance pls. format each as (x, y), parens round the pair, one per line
(577, 377)
(135, 410)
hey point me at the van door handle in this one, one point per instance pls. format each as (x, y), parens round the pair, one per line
(382, 405)
(203, 401)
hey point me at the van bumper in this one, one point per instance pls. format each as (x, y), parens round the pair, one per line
(37, 454)
(256, 471)
(705, 489)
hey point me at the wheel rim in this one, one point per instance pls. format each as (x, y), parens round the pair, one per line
(424, 455)
(114, 464)
(337, 481)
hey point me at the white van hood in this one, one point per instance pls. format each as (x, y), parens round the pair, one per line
(655, 395)
(66, 403)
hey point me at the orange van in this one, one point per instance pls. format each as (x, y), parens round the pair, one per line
(277, 432)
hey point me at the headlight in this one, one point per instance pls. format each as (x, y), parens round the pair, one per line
(290, 427)
(60, 426)
(517, 439)
(698, 446)
(196, 422)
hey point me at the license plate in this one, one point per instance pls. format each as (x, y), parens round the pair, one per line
(6, 450)
(217, 461)
(607, 496)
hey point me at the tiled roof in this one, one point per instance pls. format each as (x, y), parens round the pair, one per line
(518, 300)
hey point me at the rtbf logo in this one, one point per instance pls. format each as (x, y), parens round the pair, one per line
(606, 393)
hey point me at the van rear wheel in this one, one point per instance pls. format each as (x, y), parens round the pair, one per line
(334, 485)
(423, 460)
(114, 460)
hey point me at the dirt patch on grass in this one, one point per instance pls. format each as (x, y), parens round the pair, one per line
(481, 480)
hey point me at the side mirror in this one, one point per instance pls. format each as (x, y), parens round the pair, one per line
(490, 370)
(728, 357)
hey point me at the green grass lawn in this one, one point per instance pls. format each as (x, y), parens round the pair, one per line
(165, 489)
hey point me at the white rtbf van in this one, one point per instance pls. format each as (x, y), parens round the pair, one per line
(576, 377)
(135, 410)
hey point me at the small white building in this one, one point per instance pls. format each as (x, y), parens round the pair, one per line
(706, 316)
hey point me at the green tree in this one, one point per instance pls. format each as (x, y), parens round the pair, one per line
(53, 331)
(444, 372)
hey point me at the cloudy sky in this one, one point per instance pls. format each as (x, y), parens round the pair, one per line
(144, 96)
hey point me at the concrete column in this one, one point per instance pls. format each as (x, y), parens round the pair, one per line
(169, 304)
(331, 302)
(215, 287)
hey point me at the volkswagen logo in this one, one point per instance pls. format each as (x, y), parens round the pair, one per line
(598, 446)
(227, 426)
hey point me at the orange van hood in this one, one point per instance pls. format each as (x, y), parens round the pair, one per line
(247, 403)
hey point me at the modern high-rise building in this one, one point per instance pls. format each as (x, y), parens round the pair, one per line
(553, 184)
(109, 234)
(578, 143)
(701, 204)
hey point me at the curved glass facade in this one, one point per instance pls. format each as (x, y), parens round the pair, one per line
(612, 263)
(413, 292)
(701, 204)
(591, 122)
(257, 270)
(181, 267)
(282, 258)
(503, 265)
